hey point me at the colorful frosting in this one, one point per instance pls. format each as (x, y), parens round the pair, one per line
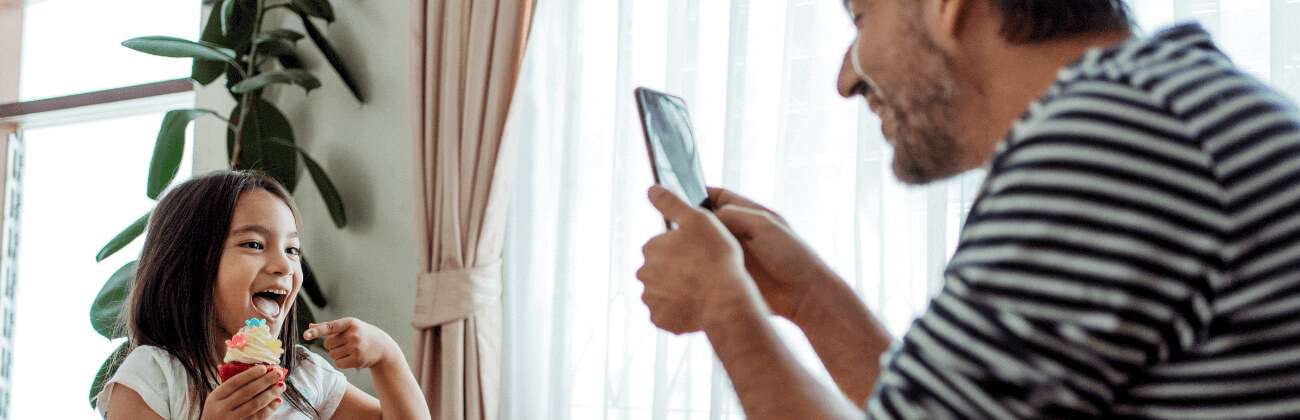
(254, 344)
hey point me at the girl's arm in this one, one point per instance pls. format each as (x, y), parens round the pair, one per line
(125, 403)
(357, 404)
(356, 344)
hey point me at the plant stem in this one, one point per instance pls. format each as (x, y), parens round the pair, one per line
(247, 99)
(219, 117)
(275, 6)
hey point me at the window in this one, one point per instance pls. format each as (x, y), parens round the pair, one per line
(83, 182)
(76, 178)
(58, 60)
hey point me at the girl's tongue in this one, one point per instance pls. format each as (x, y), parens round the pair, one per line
(267, 306)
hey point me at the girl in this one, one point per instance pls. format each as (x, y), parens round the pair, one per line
(221, 249)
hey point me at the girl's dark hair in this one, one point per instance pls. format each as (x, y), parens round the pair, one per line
(171, 301)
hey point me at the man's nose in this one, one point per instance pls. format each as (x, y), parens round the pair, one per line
(848, 79)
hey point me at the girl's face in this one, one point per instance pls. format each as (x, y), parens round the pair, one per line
(261, 268)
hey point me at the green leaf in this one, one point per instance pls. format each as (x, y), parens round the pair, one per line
(290, 61)
(107, 369)
(305, 315)
(227, 15)
(233, 77)
(233, 31)
(333, 201)
(305, 318)
(285, 34)
(206, 71)
(125, 237)
(294, 76)
(242, 27)
(168, 46)
(170, 148)
(274, 48)
(317, 8)
(106, 312)
(265, 121)
(331, 56)
(312, 287)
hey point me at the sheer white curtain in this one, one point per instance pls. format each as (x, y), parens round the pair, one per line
(758, 76)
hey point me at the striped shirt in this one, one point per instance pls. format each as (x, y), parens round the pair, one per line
(1134, 253)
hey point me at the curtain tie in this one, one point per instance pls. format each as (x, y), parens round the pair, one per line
(446, 296)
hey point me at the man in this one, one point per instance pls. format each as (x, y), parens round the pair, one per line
(1134, 253)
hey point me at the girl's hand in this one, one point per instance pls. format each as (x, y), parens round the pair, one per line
(252, 394)
(356, 344)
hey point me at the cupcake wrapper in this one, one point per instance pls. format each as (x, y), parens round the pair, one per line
(228, 370)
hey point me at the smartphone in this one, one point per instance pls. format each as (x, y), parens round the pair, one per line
(670, 141)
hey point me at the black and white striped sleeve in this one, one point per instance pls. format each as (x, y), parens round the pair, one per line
(1087, 258)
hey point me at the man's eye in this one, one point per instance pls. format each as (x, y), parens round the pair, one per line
(253, 245)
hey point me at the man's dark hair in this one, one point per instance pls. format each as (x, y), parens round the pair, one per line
(1030, 21)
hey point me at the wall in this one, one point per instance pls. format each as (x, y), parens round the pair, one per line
(368, 268)
(11, 42)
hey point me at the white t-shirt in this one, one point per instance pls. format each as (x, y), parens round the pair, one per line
(163, 385)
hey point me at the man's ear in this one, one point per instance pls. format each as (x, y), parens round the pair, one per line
(945, 20)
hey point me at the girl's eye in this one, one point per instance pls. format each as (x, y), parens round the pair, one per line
(253, 245)
(294, 250)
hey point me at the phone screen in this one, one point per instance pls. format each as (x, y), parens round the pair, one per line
(671, 143)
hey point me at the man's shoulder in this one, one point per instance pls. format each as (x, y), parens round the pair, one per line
(1179, 73)
(1173, 97)
(1178, 54)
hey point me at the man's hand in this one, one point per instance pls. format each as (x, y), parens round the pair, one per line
(355, 344)
(693, 274)
(783, 267)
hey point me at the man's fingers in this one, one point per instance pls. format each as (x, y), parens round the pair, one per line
(325, 329)
(669, 204)
(721, 197)
(744, 223)
(724, 197)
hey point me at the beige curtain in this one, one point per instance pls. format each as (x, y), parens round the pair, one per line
(467, 57)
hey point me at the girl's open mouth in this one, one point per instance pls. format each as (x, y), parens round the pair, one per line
(269, 302)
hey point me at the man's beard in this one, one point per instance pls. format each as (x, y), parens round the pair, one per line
(923, 114)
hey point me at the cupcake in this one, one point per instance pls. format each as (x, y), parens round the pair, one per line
(252, 346)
